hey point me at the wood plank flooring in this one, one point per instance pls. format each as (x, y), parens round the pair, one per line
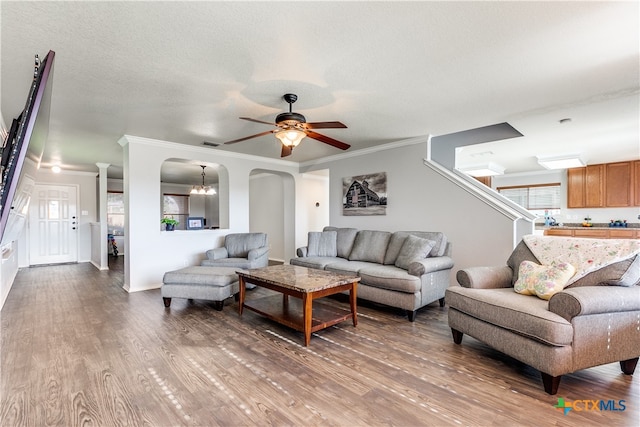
(76, 349)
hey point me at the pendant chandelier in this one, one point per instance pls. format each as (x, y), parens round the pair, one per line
(203, 189)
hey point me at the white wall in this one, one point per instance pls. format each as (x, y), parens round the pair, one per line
(152, 252)
(313, 188)
(266, 215)
(420, 199)
(8, 269)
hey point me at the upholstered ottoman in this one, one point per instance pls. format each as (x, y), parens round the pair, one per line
(200, 282)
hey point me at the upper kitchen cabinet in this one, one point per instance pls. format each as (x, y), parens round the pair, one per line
(585, 187)
(636, 182)
(604, 185)
(619, 184)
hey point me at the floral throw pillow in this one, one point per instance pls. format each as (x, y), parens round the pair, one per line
(543, 280)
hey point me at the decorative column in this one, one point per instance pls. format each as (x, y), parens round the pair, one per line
(102, 214)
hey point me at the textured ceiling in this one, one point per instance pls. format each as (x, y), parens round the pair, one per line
(185, 71)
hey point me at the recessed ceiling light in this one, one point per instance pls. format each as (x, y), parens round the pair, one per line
(487, 169)
(56, 169)
(561, 162)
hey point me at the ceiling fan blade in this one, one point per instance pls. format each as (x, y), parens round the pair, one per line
(258, 121)
(249, 137)
(327, 140)
(286, 151)
(324, 125)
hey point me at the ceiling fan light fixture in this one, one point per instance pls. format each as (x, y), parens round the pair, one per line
(290, 137)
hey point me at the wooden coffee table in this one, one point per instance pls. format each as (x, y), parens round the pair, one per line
(304, 283)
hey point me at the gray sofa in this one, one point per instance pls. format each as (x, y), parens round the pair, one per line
(591, 322)
(404, 269)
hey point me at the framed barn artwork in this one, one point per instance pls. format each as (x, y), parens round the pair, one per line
(365, 194)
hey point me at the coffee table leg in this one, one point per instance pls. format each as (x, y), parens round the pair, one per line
(242, 290)
(353, 298)
(307, 302)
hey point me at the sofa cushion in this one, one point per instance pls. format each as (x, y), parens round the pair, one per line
(345, 239)
(348, 267)
(370, 246)
(517, 313)
(621, 273)
(413, 249)
(519, 254)
(543, 280)
(397, 240)
(322, 243)
(393, 248)
(314, 262)
(389, 277)
(239, 244)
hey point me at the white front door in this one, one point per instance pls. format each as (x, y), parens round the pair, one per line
(53, 225)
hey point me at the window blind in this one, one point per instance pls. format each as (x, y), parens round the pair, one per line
(176, 206)
(534, 197)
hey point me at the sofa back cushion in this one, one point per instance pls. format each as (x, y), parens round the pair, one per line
(344, 240)
(398, 238)
(322, 243)
(239, 244)
(519, 254)
(370, 246)
(413, 249)
(621, 273)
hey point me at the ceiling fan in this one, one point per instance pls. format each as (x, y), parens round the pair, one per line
(292, 127)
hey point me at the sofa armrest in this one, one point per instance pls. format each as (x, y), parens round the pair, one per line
(301, 252)
(217, 253)
(585, 300)
(429, 265)
(485, 277)
(257, 253)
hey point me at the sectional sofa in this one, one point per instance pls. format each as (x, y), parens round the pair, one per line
(404, 269)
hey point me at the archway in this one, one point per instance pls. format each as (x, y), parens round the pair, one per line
(272, 211)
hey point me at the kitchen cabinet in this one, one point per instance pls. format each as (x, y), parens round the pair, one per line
(611, 185)
(585, 187)
(624, 234)
(619, 184)
(575, 188)
(595, 233)
(636, 182)
(592, 233)
(486, 180)
(594, 186)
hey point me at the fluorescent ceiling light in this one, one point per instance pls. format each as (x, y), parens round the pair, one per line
(561, 162)
(487, 169)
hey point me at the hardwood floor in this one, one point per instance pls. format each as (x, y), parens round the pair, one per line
(76, 349)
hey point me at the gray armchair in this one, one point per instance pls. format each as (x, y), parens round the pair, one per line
(240, 250)
(589, 323)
